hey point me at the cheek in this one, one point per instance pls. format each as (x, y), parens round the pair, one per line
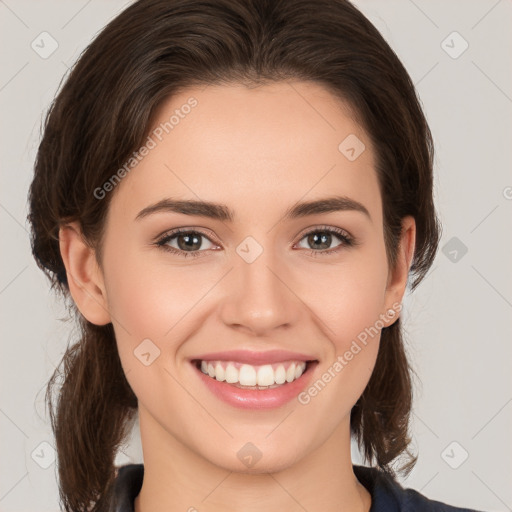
(350, 311)
(148, 302)
(147, 299)
(350, 296)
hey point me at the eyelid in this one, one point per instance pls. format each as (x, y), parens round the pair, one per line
(176, 231)
(314, 228)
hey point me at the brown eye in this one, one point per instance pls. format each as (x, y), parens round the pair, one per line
(185, 242)
(320, 240)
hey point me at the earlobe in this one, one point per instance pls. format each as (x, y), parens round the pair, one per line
(398, 276)
(85, 279)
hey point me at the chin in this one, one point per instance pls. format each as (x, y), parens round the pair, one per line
(253, 458)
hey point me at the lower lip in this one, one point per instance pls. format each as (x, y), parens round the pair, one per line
(257, 398)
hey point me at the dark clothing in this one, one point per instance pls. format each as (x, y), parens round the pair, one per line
(387, 494)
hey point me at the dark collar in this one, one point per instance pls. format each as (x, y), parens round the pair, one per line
(387, 494)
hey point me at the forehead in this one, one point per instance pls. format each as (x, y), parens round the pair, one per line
(258, 148)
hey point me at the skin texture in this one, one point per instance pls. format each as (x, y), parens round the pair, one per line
(258, 151)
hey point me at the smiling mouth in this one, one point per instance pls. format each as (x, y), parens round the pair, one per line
(247, 376)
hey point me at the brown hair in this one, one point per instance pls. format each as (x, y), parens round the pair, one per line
(102, 114)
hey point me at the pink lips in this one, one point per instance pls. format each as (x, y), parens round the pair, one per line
(256, 398)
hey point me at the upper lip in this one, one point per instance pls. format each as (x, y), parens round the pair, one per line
(254, 357)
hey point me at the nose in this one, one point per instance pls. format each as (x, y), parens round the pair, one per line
(259, 297)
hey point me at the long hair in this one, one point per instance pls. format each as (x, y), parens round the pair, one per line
(103, 113)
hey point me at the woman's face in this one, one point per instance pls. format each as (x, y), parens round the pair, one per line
(279, 282)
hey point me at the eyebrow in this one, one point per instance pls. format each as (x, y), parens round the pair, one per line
(222, 212)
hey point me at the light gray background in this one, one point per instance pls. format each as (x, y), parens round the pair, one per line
(458, 322)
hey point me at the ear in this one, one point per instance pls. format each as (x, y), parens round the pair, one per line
(84, 275)
(397, 277)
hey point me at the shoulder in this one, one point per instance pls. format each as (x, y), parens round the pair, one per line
(389, 496)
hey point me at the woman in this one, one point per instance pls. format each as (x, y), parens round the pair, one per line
(234, 195)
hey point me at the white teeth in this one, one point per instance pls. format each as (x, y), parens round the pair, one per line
(231, 374)
(220, 374)
(290, 373)
(249, 375)
(280, 375)
(265, 375)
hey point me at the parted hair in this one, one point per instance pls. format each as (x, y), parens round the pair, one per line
(102, 114)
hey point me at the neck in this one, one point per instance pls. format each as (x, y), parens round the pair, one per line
(178, 479)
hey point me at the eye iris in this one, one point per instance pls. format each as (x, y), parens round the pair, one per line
(191, 241)
(325, 239)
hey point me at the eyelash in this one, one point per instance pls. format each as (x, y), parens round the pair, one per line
(346, 239)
